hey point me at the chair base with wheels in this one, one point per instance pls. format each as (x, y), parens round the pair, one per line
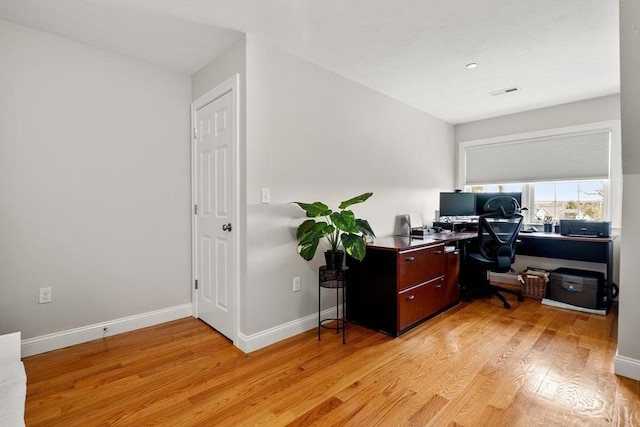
(480, 285)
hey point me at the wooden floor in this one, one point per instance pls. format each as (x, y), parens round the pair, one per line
(474, 365)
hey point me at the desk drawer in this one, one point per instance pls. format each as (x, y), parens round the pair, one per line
(419, 266)
(416, 303)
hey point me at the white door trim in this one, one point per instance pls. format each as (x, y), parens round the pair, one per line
(230, 85)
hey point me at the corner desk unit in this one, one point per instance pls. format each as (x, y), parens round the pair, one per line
(404, 281)
(401, 282)
(577, 248)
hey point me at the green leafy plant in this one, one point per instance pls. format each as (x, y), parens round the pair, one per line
(338, 227)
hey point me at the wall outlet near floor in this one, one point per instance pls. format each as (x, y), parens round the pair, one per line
(296, 284)
(44, 295)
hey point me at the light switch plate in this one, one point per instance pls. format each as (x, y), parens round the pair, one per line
(265, 195)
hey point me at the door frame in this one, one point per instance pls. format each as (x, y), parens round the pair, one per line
(229, 85)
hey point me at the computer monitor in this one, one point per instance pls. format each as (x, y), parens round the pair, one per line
(457, 204)
(482, 198)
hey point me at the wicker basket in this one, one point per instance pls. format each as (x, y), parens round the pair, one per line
(534, 282)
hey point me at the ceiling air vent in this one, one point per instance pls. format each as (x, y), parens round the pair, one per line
(503, 91)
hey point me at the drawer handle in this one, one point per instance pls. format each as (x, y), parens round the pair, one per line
(410, 258)
(438, 286)
(437, 252)
(410, 297)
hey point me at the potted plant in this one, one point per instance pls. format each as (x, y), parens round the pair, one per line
(338, 227)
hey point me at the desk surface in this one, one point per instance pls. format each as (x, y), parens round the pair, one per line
(540, 235)
(405, 242)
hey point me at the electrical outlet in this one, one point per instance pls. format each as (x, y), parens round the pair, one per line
(265, 195)
(44, 295)
(296, 284)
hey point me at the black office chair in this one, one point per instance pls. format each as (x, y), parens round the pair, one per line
(493, 250)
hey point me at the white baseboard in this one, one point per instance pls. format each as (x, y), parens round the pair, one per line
(249, 343)
(627, 367)
(69, 337)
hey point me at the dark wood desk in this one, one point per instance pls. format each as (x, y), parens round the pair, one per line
(401, 282)
(455, 236)
(552, 245)
(394, 243)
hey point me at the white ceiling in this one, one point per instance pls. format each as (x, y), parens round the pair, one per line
(554, 51)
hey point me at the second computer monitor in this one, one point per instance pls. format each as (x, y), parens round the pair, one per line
(482, 198)
(457, 204)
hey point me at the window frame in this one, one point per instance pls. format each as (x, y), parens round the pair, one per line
(528, 197)
(612, 187)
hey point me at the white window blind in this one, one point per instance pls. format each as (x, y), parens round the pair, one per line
(570, 156)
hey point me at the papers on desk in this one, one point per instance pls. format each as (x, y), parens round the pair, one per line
(415, 220)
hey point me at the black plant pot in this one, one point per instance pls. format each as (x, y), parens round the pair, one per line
(334, 259)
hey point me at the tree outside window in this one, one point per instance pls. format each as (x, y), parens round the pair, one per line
(571, 200)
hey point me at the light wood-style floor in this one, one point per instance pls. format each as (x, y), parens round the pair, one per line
(475, 365)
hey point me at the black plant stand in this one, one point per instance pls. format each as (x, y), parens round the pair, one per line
(333, 279)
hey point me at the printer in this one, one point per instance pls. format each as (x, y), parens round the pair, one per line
(585, 228)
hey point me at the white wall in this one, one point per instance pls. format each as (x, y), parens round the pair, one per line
(628, 358)
(94, 168)
(231, 61)
(96, 195)
(576, 113)
(313, 135)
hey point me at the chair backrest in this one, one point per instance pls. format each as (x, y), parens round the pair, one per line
(498, 230)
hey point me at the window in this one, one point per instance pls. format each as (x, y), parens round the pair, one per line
(573, 172)
(556, 200)
(558, 157)
(569, 200)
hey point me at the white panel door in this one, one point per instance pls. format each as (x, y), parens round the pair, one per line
(214, 245)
